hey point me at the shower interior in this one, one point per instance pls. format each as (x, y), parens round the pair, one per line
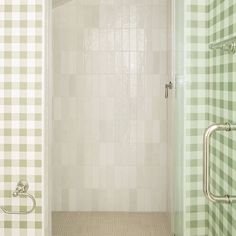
(110, 119)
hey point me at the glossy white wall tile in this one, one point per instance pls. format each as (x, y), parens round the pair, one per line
(109, 112)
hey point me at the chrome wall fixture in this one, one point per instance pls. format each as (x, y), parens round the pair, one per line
(228, 45)
(167, 88)
(206, 163)
(21, 191)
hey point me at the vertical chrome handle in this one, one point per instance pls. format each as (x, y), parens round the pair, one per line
(167, 87)
(206, 163)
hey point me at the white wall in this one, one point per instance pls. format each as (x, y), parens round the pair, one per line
(109, 112)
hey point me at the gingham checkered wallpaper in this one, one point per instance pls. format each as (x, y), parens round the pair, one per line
(211, 98)
(222, 108)
(196, 208)
(21, 112)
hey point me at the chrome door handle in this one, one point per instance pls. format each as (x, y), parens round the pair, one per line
(167, 87)
(206, 163)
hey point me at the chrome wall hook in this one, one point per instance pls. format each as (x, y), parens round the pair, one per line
(21, 191)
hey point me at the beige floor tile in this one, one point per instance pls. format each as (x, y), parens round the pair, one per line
(109, 224)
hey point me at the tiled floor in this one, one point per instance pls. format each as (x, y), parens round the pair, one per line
(109, 224)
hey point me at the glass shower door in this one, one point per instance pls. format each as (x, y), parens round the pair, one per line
(178, 117)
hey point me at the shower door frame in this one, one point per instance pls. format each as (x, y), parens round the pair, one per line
(47, 85)
(178, 124)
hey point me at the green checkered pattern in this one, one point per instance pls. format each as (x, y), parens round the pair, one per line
(196, 207)
(21, 35)
(222, 108)
(211, 98)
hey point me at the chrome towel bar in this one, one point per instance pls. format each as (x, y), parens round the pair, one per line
(228, 45)
(206, 163)
(21, 191)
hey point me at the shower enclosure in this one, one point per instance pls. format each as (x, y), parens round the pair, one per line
(109, 148)
(119, 144)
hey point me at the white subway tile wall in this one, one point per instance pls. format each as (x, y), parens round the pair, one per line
(109, 111)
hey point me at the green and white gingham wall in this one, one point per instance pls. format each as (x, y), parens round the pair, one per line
(222, 108)
(21, 75)
(196, 75)
(211, 98)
